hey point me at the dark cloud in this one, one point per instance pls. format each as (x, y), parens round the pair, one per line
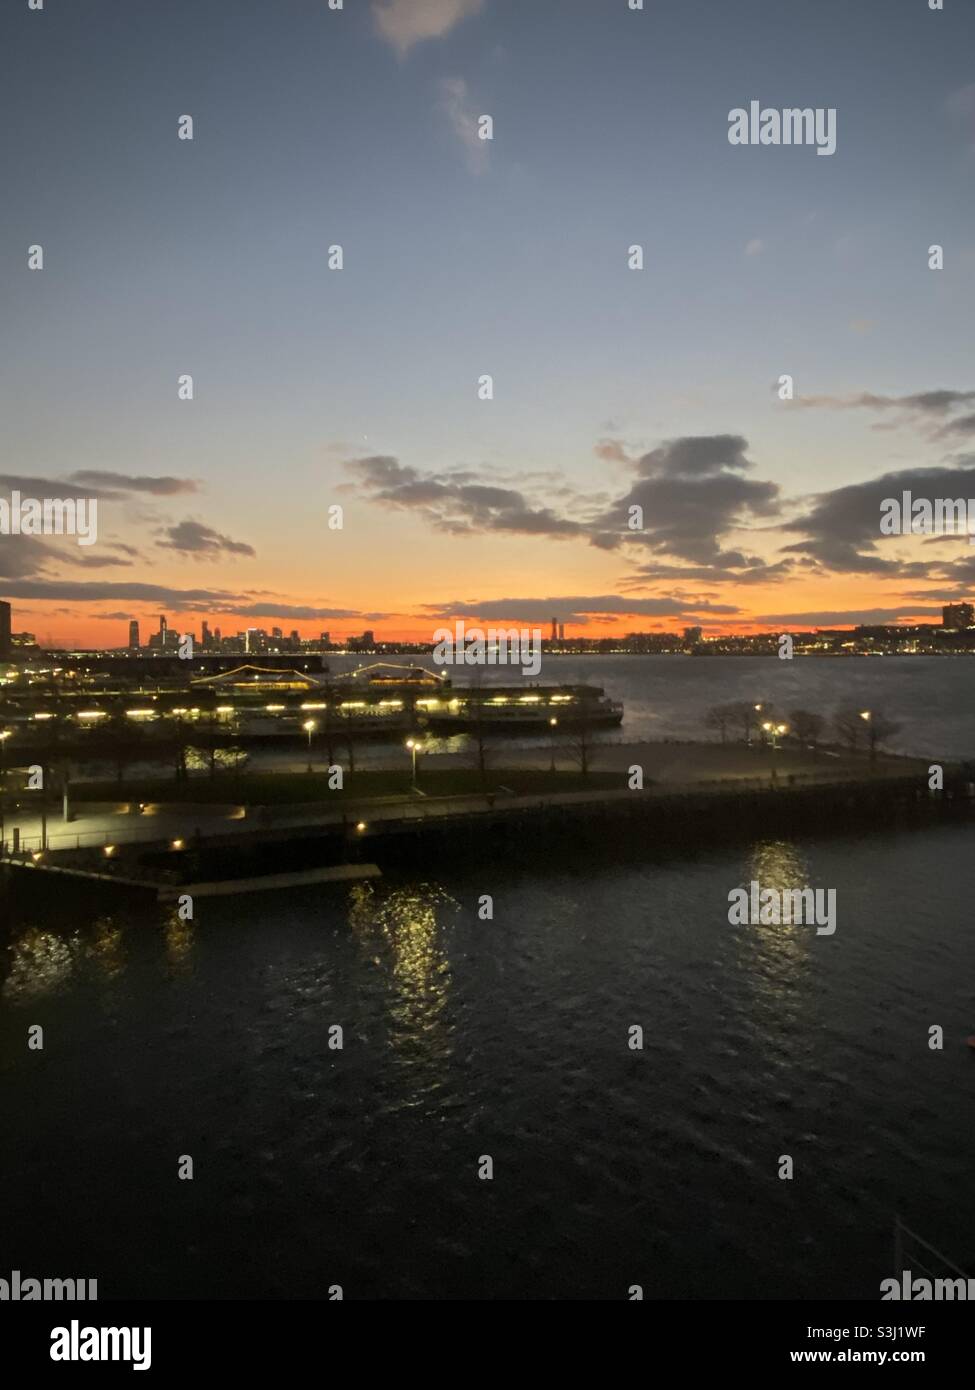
(127, 482)
(841, 528)
(938, 403)
(452, 502)
(21, 556)
(856, 617)
(193, 538)
(692, 491)
(298, 611)
(91, 591)
(574, 608)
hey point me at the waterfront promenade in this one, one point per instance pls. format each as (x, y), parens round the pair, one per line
(669, 769)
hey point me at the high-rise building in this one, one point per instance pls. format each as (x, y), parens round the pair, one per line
(958, 615)
(134, 641)
(325, 638)
(205, 635)
(555, 629)
(4, 629)
(561, 632)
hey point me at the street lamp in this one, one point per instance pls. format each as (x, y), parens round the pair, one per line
(412, 745)
(553, 725)
(4, 735)
(309, 726)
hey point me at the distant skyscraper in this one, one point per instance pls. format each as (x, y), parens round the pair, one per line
(555, 629)
(958, 615)
(4, 628)
(325, 638)
(205, 635)
(162, 629)
(561, 632)
(134, 642)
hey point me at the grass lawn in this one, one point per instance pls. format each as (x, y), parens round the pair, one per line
(284, 788)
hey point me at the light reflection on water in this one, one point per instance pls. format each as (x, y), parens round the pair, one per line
(402, 933)
(464, 1037)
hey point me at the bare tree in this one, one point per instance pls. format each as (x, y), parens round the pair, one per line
(720, 717)
(879, 730)
(746, 716)
(807, 727)
(850, 726)
(582, 728)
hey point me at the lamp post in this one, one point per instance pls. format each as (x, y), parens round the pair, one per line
(4, 735)
(412, 745)
(553, 725)
(309, 726)
(866, 716)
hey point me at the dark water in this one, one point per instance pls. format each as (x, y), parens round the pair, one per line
(506, 1038)
(931, 698)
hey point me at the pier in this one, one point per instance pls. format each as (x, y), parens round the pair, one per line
(690, 794)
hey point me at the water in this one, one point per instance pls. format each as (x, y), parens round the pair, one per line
(930, 697)
(508, 1038)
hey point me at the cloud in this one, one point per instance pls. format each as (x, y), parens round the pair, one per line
(90, 591)
(573, 608)
(193, 538)
(21, 556)
(162, 596)
(463, 121)
(921, 403)
(866, 617)
(127, 482)
(755, 247)
(298, 611)
(97, 483)
(451, 503)
(691, 491)
(403, 23)
(841, 528)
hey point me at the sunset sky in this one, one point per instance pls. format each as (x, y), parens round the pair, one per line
(463, 257)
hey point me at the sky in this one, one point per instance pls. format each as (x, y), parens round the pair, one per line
(318, 387)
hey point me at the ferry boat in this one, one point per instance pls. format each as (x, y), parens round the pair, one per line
(445, 708)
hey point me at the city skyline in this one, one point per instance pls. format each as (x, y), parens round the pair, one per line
(613, 387)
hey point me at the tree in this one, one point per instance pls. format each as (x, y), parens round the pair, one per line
(850, 726)
(807, 727)
(879, 730)
(582, 727)
(719, 717)
(746, 716)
